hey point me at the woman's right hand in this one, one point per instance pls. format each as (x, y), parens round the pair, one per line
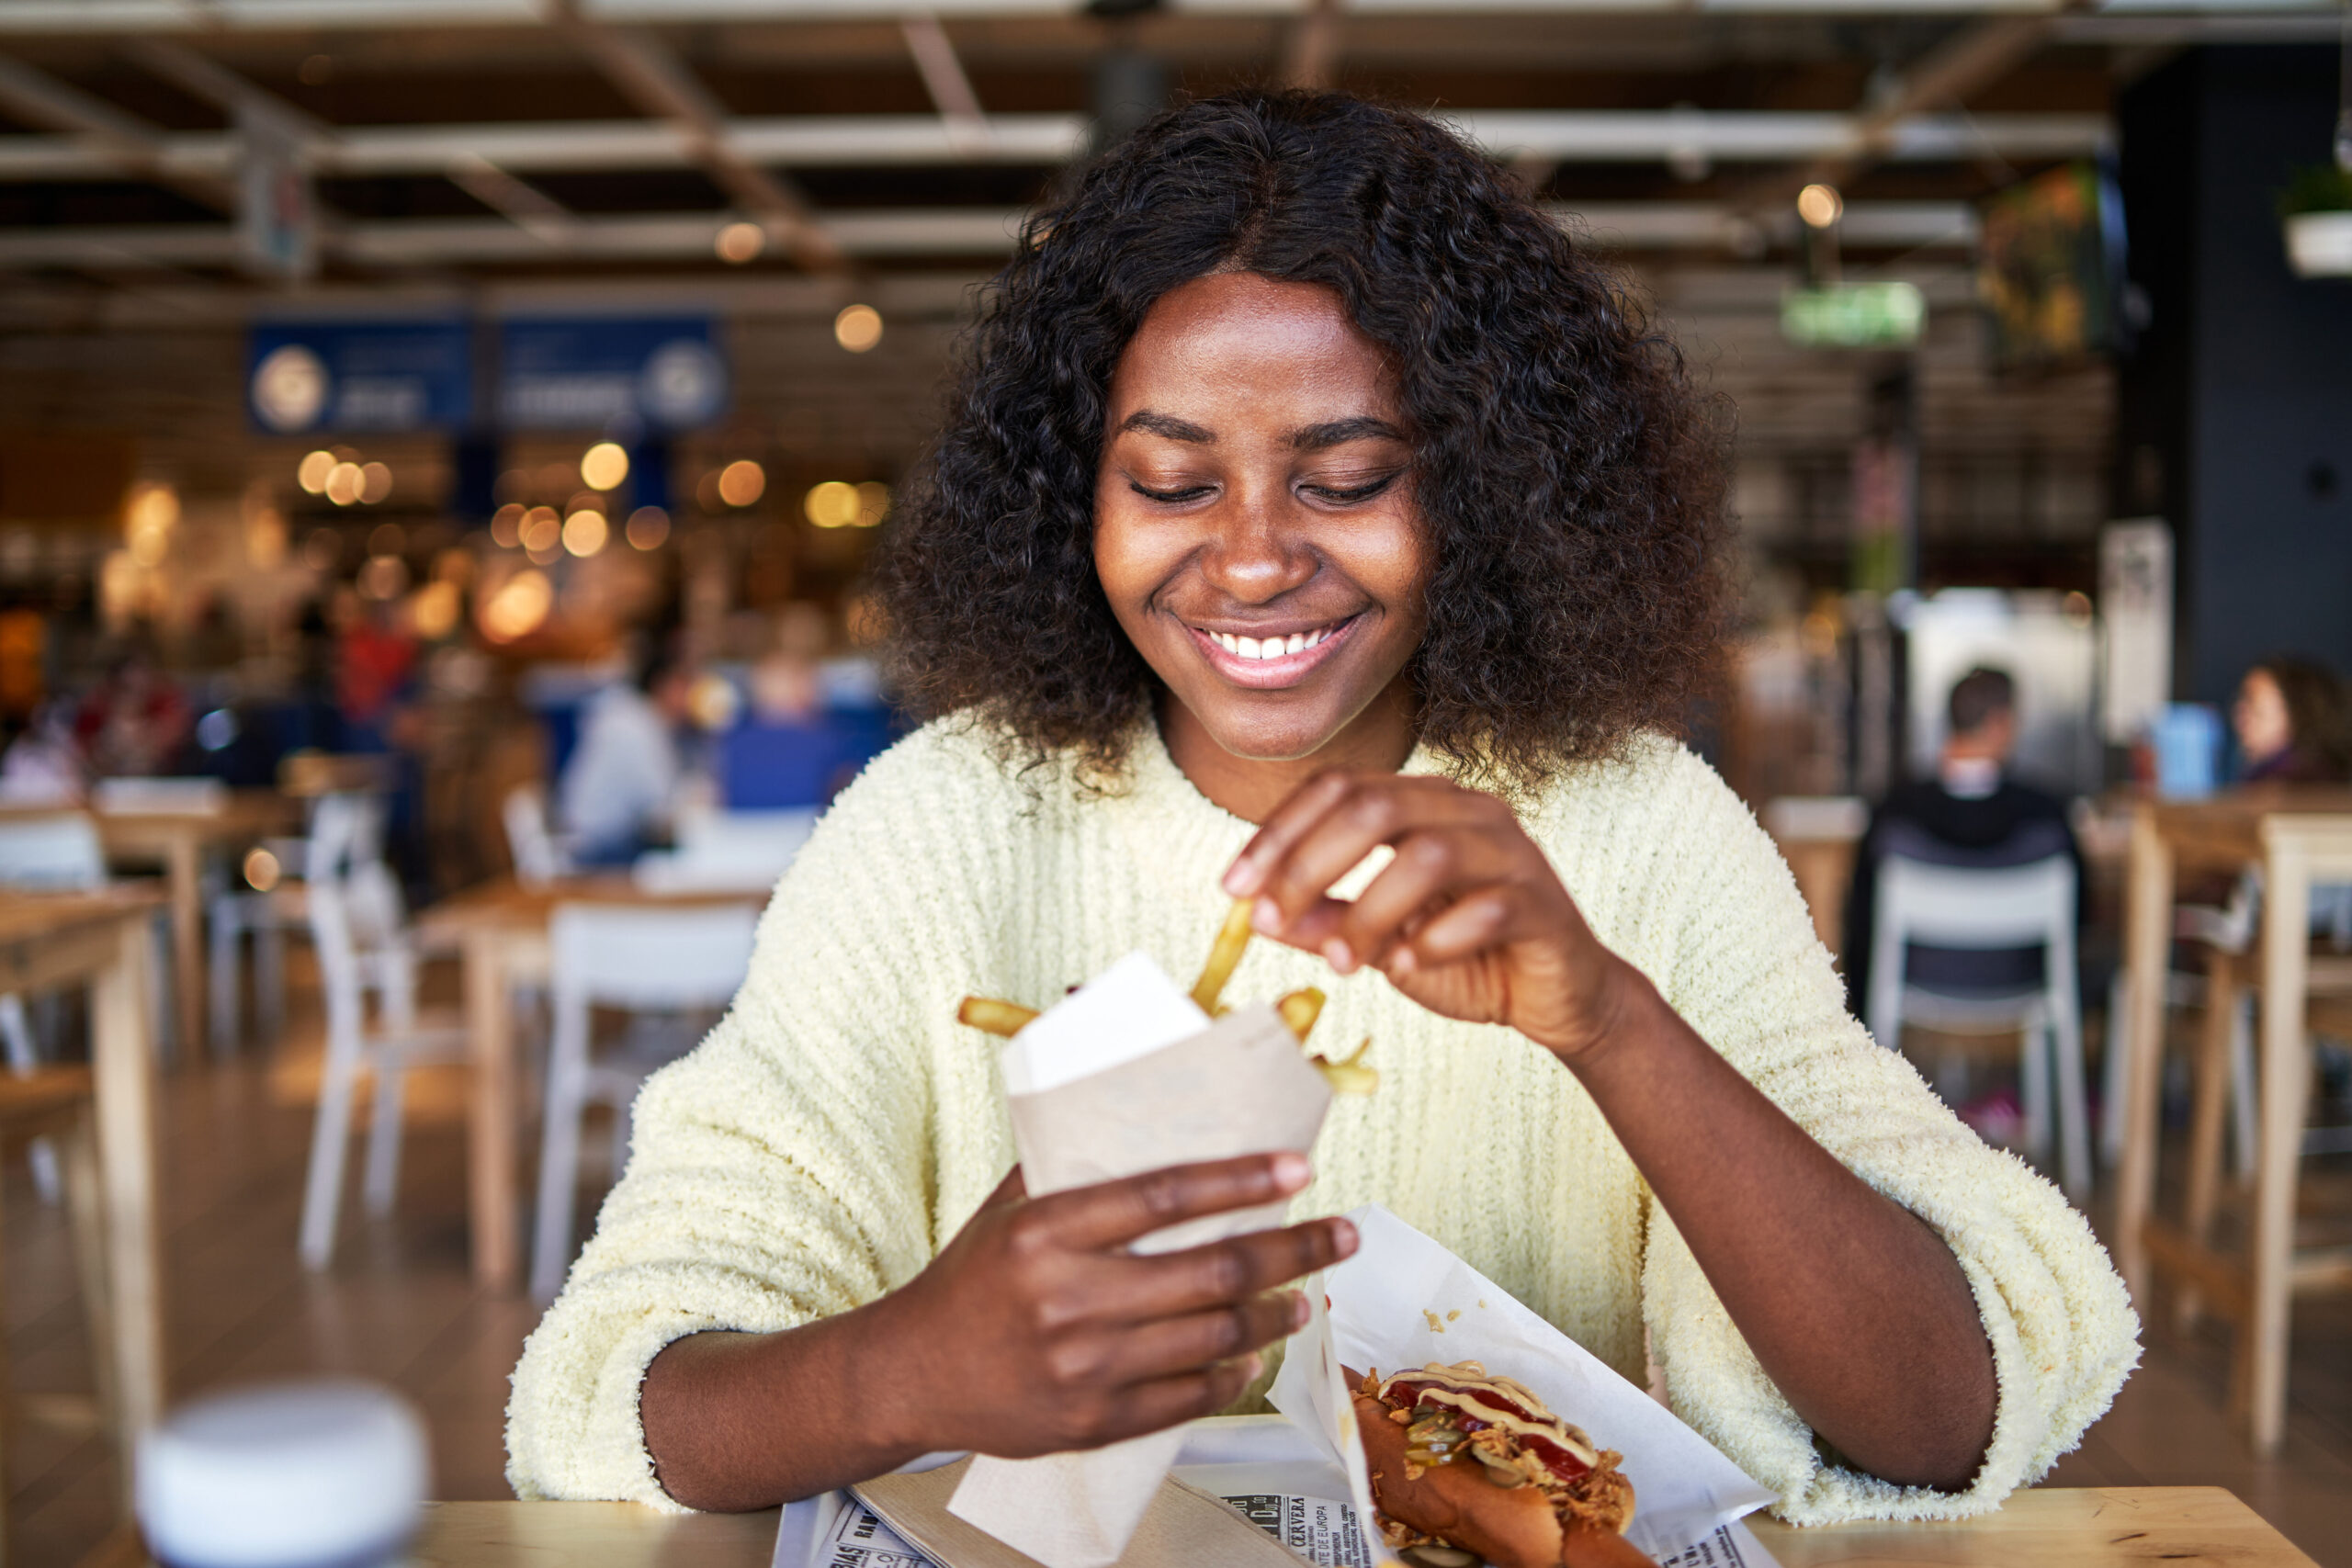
(1036, 1331)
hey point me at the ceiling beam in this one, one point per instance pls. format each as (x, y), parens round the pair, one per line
(120, 140)
(1943, 78)
(943, 78)
(901, 232)
(653, 78)
(1046, 141)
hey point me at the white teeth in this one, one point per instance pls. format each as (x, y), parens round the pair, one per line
(1269, 648)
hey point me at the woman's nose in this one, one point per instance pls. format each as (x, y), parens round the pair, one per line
(1256, 552)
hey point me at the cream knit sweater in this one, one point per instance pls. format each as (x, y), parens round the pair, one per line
(839, 1126)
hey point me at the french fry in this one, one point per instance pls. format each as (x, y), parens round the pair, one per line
(1350, 1077)
(1007, 1019)
(1300, 1010)
(1223, 956)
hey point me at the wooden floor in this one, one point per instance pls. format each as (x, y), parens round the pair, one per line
(399, 1306)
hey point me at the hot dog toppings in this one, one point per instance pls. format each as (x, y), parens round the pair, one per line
(1462, 1400)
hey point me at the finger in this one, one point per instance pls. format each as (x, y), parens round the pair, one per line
(1299, 811)
(1373, 813)
(1115, 1213)
(1477, 923)
(1198, 1278)
(1012, 1189)
(1431, 870)
(1163, 1402)
(1172, 1345)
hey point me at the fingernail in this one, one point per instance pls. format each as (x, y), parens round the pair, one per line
(1297, 1311)
(1291, 1171)
(1266, 916)
(1401, 961)
(1241, 877)
(1251, 1365)
(1343, 1237)
(1340, 958)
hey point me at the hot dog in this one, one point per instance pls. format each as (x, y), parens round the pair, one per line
(1465, 1463)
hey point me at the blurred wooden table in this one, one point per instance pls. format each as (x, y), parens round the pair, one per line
(50, 940)
(177, 841)
(2075, 1528)
(500, 930)
(2297, 836)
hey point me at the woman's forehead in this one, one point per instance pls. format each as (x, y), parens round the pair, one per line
(1235, 342)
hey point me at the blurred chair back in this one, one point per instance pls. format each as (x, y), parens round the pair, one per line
(52, 853)
(1988, 908)
(729, 851)
(642, 960)
(538, 860)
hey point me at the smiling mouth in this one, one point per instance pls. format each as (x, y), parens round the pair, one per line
(1280, 659)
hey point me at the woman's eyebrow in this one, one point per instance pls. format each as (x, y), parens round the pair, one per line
(1364, 427)
(1169, 426)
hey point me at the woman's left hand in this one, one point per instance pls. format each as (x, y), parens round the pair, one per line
(1469, 920)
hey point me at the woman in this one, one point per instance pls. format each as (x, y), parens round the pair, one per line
(2294, 723)
(1308, 491)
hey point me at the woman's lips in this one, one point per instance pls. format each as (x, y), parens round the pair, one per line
(1314, 644)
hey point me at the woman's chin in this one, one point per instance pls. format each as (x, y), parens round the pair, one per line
(1289, 741)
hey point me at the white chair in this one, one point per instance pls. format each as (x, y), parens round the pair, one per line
(236, 909)
(357, 924)
(540, 858)
(625, 956)
(1978, 909)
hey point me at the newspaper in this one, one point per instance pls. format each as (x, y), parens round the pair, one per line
(1273, 1474)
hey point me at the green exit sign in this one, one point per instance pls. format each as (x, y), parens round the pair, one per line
(1854, 315)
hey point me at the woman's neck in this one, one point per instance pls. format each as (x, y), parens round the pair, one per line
(1378, 739)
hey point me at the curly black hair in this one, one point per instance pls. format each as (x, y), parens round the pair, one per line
(1570, 482)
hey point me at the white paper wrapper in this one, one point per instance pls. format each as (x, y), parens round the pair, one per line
(1403, 1301)
(1125, 1076)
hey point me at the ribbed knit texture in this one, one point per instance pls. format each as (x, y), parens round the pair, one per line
(839, 1126)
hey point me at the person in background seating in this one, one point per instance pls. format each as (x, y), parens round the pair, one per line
(2293, 721)
(618, 788)
(1970, 813)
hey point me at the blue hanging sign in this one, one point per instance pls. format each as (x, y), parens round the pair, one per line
(304, 377)
(604, 373)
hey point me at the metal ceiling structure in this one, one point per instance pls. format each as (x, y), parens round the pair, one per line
(549, 137)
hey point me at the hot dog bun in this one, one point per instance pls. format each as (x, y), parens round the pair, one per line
(1509, 1528)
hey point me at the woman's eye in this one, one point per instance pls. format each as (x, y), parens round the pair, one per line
(1169, 497)
(1348, 495)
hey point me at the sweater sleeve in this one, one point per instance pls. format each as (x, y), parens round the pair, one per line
(1736, 956)
(785, 1170)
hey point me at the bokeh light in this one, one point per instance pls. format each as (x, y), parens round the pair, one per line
(742, 482)
(648, 527)
(857, 328)
(604, 466)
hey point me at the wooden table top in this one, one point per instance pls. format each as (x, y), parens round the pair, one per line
(2078, 1527)
(26, 916)
(507, 903)
(2229, 826)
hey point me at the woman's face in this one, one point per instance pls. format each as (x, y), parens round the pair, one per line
(1254, 524)
(2260, 717)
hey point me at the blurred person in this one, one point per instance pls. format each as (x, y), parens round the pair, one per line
(42, 765)
(1971, 814)
(135, 721)
(786, 684)
(2293, 721)
(620, 785)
